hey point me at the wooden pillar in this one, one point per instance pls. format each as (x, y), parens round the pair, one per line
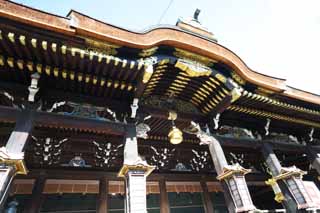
(11, 156)
(314, 158)
(134, 171)
(103, 196)
(164, 201)
(37, 196)
(232, 179)
(290, 188)
(207, 202)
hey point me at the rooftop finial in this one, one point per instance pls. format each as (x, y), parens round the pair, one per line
(196, 15)
(192, 24)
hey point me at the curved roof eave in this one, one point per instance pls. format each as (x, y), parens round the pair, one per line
(82, 25)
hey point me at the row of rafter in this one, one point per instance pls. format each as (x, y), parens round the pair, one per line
(266, 114)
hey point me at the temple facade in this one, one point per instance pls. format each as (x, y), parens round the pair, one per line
(97, 118)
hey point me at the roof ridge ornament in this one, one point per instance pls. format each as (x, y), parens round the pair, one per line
(193, 25)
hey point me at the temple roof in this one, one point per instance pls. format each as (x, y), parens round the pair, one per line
(77, 24)
(83, 60)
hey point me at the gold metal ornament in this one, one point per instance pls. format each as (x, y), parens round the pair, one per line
(175, 135)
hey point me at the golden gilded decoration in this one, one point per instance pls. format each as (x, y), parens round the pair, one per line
(192, 68)
(279, 197)
(1, 60)
(11, 37)
(194, 57)
(231, 170)
(39, 68)
(237, 78)
(148, 52)
(101, 47)
(15, 161)
(20, 64)
(277, 191)
(147, 74)
(10, 62)
(172, 115)
(141, 167)
(235, 94)
(175, 136)
(54, 47)
(63, 49)
(22, 40)
(19, 165)
(30, 66)
(34, 43)
(221, 78)
(164, 61)
(44, 45)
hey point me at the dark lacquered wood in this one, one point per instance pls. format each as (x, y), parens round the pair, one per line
(37, 197)
(207, 202)
(103, 196)
(164, 201)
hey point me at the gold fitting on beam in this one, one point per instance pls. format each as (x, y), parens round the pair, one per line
(172, 116)
(230, 170)
(56, 72)
(10, 62)
(279, 197)
(22, 40)
(140, 167)
(193, 68)
(16, 161)
(20, 64)
(30, 66)
(48, 68)
(11, 37)
(54, 47)
(147, 73)
(1, 60)
(39, 68)
(63, 49)
(235, 94)
(277, 191)
(34, 43)
(44, 45)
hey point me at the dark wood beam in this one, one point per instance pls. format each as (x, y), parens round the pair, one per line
(73, 173)
(164, 114)
(58, 121)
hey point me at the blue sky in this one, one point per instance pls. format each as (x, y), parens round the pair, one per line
(276, 37)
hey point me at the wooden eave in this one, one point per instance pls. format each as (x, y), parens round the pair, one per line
(81, 25)
(66, 65)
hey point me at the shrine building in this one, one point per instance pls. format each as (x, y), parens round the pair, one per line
(98, 118)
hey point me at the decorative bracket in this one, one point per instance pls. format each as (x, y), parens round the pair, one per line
(311, 134)
(33, 88)
(267, 126)
(134, 107)
(216, 121)
(15, 160)
(139, 166)
(193, 68)
(230, 170)
(148, 71)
